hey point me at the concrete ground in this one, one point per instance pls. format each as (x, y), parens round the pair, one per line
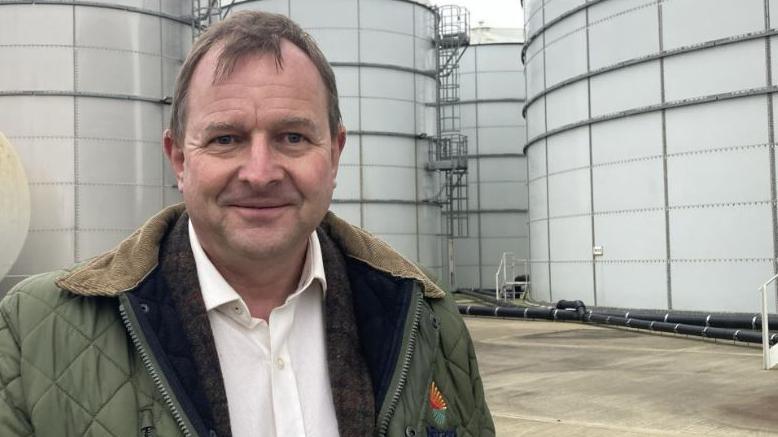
(553, 378)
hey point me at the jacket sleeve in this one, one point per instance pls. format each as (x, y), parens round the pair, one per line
(485, 423)
(14, 420)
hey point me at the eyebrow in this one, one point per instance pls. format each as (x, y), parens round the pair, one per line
(296, 121)
(217, 126)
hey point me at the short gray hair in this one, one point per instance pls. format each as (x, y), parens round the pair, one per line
(245, 33)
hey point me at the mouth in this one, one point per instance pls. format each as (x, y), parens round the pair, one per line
(259, 211)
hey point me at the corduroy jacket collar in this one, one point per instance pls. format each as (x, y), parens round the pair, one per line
(124, 268)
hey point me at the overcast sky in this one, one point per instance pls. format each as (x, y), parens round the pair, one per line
(493, 13)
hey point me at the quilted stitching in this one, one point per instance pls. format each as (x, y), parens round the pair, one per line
(75, 373)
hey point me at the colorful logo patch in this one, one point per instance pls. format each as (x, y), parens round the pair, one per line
(437, 404)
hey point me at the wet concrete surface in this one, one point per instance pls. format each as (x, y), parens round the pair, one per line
(552, 378)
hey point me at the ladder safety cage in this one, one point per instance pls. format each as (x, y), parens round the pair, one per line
(448, 149)
(204, 14)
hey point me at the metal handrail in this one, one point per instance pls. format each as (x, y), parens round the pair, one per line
(769, 357)
(503, 268)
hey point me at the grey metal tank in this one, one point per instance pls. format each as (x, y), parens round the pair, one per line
(493, 94)
(82, 96)
(384, 61)
(651, 152)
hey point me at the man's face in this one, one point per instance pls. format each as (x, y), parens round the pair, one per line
(258, 164)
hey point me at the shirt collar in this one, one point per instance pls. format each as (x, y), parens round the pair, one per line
(217, 291)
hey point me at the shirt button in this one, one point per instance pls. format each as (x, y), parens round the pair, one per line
(280, 363)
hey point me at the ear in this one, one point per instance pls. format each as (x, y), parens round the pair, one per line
(175, 154)
(338, 143)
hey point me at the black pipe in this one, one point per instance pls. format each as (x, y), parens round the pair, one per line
(743, 335)
(731, 321)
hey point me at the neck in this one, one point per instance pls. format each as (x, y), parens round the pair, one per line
(264, 284)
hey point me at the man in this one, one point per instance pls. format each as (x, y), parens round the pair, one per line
(250, 310)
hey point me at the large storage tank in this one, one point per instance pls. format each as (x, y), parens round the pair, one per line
(14, 205)
(651, 141)
(81, 97)
(384, 60)
(492, 96)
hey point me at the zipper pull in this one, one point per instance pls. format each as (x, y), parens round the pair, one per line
(147, 424)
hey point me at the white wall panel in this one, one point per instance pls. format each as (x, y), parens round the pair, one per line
(374, 115)
(386, 48)
(388, 151)
(729, 287)
(710, 126)
(274, 6)
(393, 84)
(536, 119)
(571, 239)
(493, 139)
(568, 150)
(52, 207)
(569, 193)
(348, 182)
(429, 219)
(539, 240)
(43, 24)
(500, 224)
(349, 111)
(687, 22)
(338, 45)
(119, 119)
(555, 8)
(536, 160)
(390, 218)
(116, 29)
(500, 114)
(633, 236)
(45, 251)
(684, 77)
(466, 251)
(501, 170)
(176, 38)
(541, 284)
(110, 72)
(31, 68)
(567, 105)
(572, 281)
(386, 15)
(97, 242)
(116, 207)
(707, 233)
(352, 150)
(333, 13)
(633, 185)
(404, 244)
(617, 91)
(609, 25)
(735, 176)
(46, 159)
(402, 186)
(499, 85)
(534, 22)
(20, 116)
(503, 195)
(566, 49)
(350, 212)
(535, 73)
(537, 198)
(632, 285)
(429, 253)
(627, 138)
(119, 162)
(501, 57)
(347, 80)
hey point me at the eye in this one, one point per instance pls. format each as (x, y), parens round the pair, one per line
(293, 137)
(224, 140)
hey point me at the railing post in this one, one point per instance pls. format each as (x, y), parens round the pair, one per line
(767, 357)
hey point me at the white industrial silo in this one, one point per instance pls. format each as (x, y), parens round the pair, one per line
(82, 98)
(651, 154)
(492, 97)
(383, 56)
(14, 205)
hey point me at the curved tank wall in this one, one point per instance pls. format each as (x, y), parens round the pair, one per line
(81, 97)
(384, 61)
(493, 94)
(14, 205)
(651, 138)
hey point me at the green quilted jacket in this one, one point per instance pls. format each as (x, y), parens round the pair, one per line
(76, 361)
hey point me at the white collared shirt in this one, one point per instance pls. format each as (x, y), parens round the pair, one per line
(275, 371)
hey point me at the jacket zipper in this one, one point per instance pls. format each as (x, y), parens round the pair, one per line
(152, 371)
(383, 426)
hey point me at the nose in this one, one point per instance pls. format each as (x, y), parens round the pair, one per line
(261, 166)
